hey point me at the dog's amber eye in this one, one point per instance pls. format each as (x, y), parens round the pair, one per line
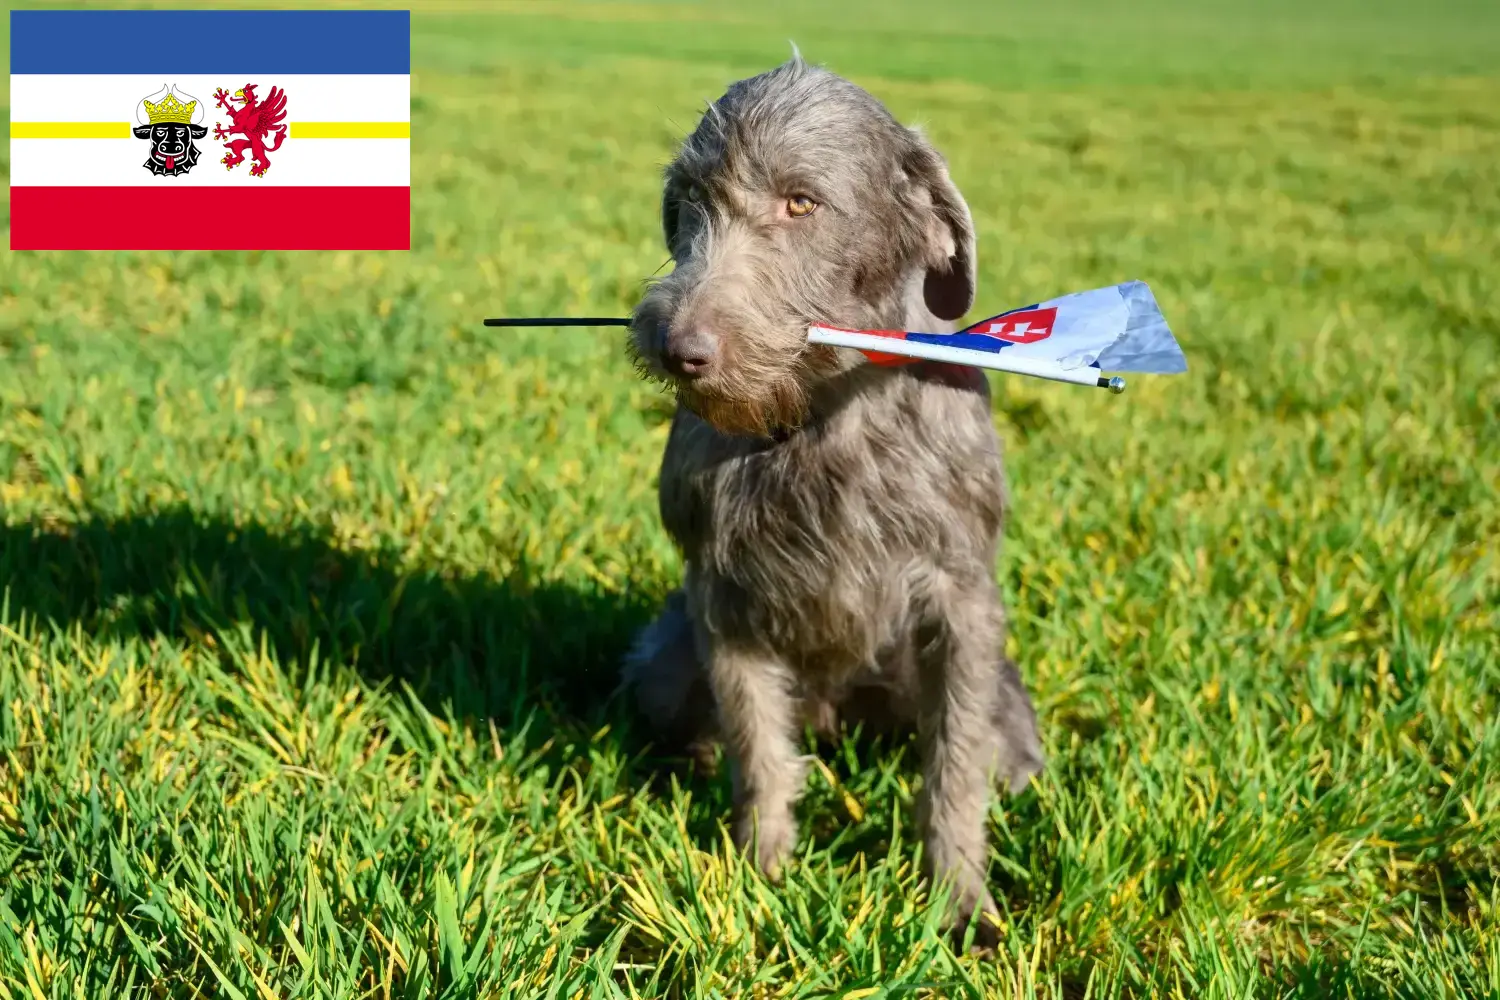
(800, 206)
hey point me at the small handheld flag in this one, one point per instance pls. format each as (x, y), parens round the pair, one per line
(1068, 339)
(1074, 338)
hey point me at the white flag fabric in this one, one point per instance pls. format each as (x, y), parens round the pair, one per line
(1071, 338)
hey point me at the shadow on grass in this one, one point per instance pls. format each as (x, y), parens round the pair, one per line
(480, 647)
(514, 651)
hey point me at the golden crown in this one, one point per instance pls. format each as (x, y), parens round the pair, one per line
(170, 109)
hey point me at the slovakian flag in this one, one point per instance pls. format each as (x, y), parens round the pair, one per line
(1069, 339)
(210, 130)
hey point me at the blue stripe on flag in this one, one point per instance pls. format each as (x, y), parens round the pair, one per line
(967, 341)
(210, 41)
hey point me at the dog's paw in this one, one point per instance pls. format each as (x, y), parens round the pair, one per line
(769, 843)
(1020, 763)
(978, 909)
(771, 860)
(703, 754)
(965, 904)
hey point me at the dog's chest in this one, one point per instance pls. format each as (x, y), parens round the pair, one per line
(819, 543)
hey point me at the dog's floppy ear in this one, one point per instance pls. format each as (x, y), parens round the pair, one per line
(948, 231)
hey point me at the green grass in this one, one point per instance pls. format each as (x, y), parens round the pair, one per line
(313, 587)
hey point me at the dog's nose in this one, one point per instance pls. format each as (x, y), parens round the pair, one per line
(690, 353)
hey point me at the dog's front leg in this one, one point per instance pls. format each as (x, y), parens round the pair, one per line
(757, 710)
(957, 643)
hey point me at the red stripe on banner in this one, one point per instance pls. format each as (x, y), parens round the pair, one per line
(210, 218)
(885, 360)
(881, 358)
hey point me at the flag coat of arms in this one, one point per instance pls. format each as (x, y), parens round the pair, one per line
(210, 130)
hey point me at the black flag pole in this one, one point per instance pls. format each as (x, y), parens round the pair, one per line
(1115, 384)
(558, 321)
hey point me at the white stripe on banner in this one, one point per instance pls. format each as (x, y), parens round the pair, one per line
(120, 163)
(310, 97)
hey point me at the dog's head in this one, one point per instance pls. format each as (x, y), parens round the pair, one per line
(798, 199)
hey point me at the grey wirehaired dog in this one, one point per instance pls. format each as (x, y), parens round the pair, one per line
(839, 520)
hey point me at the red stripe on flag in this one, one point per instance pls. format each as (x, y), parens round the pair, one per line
(210, 218)
(880, 358)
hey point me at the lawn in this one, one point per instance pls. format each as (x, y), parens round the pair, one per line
(313, 587)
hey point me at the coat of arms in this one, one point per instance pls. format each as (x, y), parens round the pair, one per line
(255, 120)
(171, 123)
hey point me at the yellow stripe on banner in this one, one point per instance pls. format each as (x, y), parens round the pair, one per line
(70, 130)
(350, 130)
(299, 130)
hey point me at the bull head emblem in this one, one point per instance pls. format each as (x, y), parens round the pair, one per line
(169, 119)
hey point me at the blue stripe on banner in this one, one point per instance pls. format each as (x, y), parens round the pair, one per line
(210, 41)
(968, 341)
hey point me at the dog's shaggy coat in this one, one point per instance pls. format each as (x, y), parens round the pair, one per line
(839, 520)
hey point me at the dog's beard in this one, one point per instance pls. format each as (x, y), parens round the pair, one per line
(781, 405)
(759, 392)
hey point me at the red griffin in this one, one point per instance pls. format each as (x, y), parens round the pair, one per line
(255, 121)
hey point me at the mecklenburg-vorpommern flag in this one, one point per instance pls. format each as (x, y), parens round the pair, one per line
(210, 130)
